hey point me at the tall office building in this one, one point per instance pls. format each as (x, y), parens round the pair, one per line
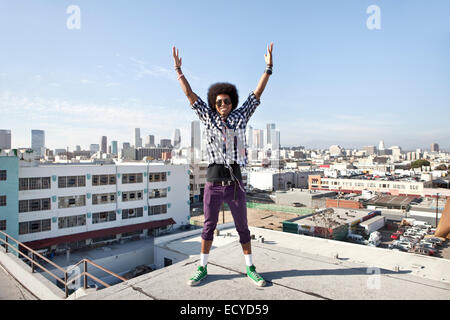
(94, 147)
(370, 150)
(5, 139)
(165, 143)
(114, 149)
(249, 136)
(78, 148)
(270, 128)
(274, 139)
(104, 144)
(137, 138)
(396, 152)
(177, 139)
(150, 141)
(434, 147)
(259, 139)
(38, 142)
(195, 141)
(381, 145)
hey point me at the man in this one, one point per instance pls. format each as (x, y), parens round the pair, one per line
(225, 125)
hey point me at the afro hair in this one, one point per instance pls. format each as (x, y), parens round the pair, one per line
(222, 88)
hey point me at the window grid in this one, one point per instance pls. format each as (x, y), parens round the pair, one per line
(132, 213)
(72, 221)
(2, 201)
(157, 193)
(101, 217)
(132, 195)
(104, 198)
(34, 205)
(104, 179)
(34, 183)
(157, 176)
(132, 178)
(34, 226)
(158, 209)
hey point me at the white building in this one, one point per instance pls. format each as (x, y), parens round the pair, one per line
(335, 150)
(275, 180)
(75, 205)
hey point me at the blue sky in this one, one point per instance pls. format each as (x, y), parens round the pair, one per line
(335, 81)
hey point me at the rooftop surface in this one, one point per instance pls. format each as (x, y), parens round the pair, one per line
(331, 217)
(295, 267)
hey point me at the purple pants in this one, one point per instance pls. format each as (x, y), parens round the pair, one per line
(213, 198)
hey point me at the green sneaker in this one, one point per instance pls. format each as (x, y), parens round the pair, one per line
(256, 278)
(198, 276)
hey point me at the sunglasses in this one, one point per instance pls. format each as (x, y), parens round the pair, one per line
(226, 101)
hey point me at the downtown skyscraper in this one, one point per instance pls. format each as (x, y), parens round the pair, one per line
(38, 142)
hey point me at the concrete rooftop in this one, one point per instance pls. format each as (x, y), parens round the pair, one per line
(295, 267)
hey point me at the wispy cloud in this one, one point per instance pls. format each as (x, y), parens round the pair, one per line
(84, 120)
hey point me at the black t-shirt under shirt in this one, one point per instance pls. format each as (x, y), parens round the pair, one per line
(218, 172)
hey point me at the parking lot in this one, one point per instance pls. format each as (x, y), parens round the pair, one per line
(392, 226)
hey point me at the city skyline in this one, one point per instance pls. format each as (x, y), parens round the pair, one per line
(186, 141)
(335, 82)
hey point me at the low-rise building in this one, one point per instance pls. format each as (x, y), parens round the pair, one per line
(330, 223)
(55, 206)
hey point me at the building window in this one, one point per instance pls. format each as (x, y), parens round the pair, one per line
(157, 176)
(34, 183)
(23, 184)
(2, 201)
(72, 221)
(131, 178)
(104, 179)
(157, 193)
(100, 217)
(132, 213)
(34, 226)
(71, 181)
(3, 175)
(104, 198)
(159, 209)
(2, 225)
(71, 201)
(34, 205)
(132, 195)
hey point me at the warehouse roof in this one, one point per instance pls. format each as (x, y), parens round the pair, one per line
(331, 217)
(386, 200)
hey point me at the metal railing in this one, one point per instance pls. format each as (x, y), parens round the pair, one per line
(66, 282)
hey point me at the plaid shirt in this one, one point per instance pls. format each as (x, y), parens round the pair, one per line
(226, 141)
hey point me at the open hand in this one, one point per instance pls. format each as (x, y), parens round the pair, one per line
(268, 56)
(176, 58)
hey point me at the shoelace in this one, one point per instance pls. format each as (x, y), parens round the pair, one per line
(257, 276)
(198, 274)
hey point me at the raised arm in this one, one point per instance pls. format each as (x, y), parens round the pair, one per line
(197, 104)
(265, 77)
(192, 97)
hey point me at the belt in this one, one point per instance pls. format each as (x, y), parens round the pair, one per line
(223, 183)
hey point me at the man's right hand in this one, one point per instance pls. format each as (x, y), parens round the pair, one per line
(176, 59)
(192, 97)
